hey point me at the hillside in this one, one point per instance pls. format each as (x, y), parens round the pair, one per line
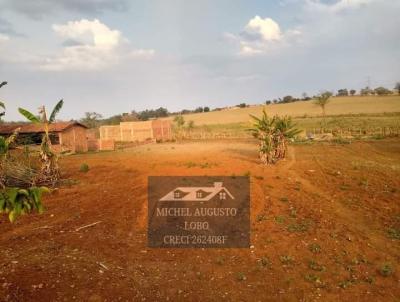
(337, 106)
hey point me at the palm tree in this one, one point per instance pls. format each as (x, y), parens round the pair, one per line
(49, 170)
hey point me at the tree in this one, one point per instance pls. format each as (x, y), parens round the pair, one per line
(178, 126)
(91, 119)
(287, 99)
(322, 100)
(273, 135)
(242, 105)
(50, 172)
(199, 109)
(179, 121)
(343, 92)
(382, 91)
(206, 109)
(352, 92)
(190, 125)
(365, 91)
(397, 87)
(129, 116)
(267, 102)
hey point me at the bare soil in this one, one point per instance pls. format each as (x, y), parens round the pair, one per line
(323, 226)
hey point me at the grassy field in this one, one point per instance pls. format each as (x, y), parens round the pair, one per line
(363, 121)
(370, 113)
(369, 105)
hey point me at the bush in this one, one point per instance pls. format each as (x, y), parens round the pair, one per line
(84, 168)
(382, 91)
(386, 270)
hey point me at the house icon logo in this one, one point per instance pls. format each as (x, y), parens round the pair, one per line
(213, 193)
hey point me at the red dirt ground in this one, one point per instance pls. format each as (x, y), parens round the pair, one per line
(319, 220)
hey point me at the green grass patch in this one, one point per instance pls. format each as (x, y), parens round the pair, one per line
(386, 270)
(315, 248)
(393, 233)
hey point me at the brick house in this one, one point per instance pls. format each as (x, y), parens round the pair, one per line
(64, 136)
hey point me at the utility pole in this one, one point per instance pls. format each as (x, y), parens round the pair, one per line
(369, 82)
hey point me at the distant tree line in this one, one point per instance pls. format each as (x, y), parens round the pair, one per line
(341, 92)
(93, 119)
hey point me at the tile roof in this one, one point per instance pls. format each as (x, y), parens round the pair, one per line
(37, 128)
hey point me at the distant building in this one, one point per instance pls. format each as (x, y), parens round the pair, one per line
(64, 136)
(140, 131)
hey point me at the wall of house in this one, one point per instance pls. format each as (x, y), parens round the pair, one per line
(74, 139)
(80, 139)
(93, 133)
(137, 131)
(162, 130)
(93, 144)
(106, 144)
(110, 132)
(67, 140)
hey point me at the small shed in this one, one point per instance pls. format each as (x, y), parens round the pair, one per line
(64, 136)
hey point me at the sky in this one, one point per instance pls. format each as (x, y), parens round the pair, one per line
(114, 56)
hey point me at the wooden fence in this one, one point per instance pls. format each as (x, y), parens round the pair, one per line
(340, 132)
(379, 131)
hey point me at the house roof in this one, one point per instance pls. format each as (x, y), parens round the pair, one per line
(190, 193)
(38, 128)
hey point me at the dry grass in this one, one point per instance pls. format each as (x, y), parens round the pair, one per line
(337, 106)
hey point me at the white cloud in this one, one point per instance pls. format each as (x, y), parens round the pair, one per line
(267, 28)
(91, 45)
(262, 36)
(89, 32)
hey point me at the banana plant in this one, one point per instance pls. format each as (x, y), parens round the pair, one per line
(2, 103)
(17, 201)
(50, 170)
(4, 109)
(273, 134)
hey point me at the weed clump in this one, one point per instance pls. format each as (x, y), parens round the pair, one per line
(386, 270)
(84, 168)
(393, 233)
(315, 248)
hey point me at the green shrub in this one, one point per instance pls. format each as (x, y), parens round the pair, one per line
(386, 270)
(84, 168)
